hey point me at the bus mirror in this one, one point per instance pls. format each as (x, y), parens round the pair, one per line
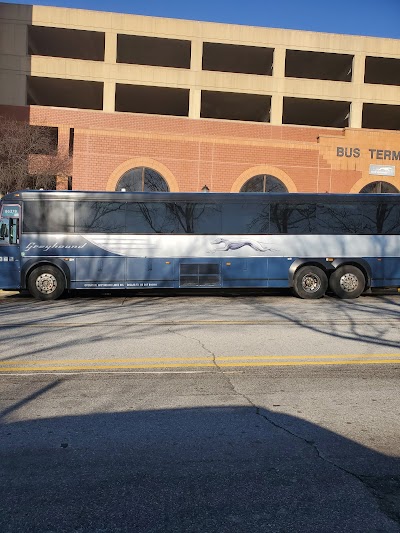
(3, 231)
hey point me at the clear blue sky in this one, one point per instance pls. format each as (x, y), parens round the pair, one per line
(379, 18)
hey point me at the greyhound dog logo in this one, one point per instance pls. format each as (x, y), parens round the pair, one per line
(236, 245)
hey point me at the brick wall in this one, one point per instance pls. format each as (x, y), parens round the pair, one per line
(193, 153)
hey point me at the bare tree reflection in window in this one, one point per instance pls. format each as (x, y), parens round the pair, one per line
(177, 217)
(100, 217)
(260, 224)
(196, 217)
(382, 218)
(184, 214)
(292, 218)
(341, 218)
(142, 179)
(150, 217)
(264, 183)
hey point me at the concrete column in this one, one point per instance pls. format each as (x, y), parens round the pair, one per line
(358, 69)
(278, 73)
(196, 55)
(110, 50)
(109, 96)
(196, 60)
(276, 110)
(278, 70)
(357, 79)
(194, 103)
(355, 120)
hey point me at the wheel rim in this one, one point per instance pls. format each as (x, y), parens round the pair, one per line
(46, 283)
(349, 282)
(311, 282)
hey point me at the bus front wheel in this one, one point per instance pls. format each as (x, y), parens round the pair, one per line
(347, 282)
(46, 283)
(310, 282)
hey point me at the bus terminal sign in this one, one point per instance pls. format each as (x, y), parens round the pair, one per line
(374, 153)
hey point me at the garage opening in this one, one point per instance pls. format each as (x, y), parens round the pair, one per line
(152, 100)
(308, 112)
(58, 92)
(235, 106)
(381, 116)
(156, 51)
(318, 65)
(382, 70)
(62, 42)
(237, 58)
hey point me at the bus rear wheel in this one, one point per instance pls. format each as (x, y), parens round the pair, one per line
(347, 282)
(310, 282)
(46, 283)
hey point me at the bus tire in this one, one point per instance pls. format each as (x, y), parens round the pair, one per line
(310, 282)
(46, 282)
(347, 282)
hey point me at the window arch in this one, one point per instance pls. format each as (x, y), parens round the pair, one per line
(142, 179)
(379, 187)
(264, 183)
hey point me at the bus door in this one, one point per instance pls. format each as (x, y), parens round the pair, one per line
(10, 265)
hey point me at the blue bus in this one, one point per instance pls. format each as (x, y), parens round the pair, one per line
(57, 241)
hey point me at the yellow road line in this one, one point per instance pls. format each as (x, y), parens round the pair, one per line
(60, 367)
(193, 360)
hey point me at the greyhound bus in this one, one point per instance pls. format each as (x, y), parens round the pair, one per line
(57, 241)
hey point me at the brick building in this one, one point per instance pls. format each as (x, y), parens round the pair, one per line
(146, 102)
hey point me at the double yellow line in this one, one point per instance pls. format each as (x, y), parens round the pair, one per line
(151, 363)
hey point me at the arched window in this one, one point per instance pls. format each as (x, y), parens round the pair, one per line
(263, 183)
(379, 187)
(142, 179)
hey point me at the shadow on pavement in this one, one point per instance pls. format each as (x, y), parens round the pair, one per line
(205, 469)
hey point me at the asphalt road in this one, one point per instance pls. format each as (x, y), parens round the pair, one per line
(200, 414)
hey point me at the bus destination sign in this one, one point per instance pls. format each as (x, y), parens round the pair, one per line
(11, 211)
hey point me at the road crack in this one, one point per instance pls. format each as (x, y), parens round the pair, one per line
(203, 346)
(385, 490)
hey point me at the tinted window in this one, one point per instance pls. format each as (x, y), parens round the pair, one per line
(150, 218)
(245, 218)
(341, 219)
(292, 218)
(99, 217)
(383, 217)
(173, 217)
(42, 216)
(196, 217)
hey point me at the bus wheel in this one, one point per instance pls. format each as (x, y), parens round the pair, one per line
(46, 283)
(310, 282)
(347, 282)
